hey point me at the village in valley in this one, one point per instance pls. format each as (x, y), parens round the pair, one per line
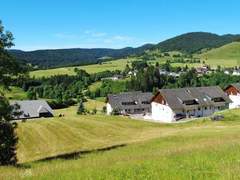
(119, 90)
(164, 105)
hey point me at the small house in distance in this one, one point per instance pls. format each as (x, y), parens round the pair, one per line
(114, 78)
(129, 103)
(170, 105)
(233, 91)
(33, 109)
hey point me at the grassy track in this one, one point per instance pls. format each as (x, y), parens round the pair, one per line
(195, 150)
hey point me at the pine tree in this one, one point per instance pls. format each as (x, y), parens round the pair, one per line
(9, 68)
(81, 109)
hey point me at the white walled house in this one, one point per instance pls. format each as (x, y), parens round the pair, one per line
(236, 73)
(129, 103)
(233, 92)
(170, 105)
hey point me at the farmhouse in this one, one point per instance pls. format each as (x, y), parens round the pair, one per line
(233, 91)
(129, 103)
(170, 105)
(33, 109)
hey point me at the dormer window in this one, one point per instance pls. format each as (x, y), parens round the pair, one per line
(145, 102)
(218, 99)
(190, 102)
(129, 103)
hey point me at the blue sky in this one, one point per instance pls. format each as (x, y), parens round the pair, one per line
(45, 24)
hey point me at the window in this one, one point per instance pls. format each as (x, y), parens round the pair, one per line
(190, 102)
(218, 99)
(137, 110)
(128, 103)
(145, 102)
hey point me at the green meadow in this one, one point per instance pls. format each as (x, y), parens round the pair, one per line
(95, 68)
(15, 93)
(227, 56)
(109, 147)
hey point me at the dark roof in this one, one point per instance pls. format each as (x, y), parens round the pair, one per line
(117, 100)
(32, 108)
(236, 85)
(203, 96)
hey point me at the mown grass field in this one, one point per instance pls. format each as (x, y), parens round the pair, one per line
(199, 149)
(227, 56)
(94, 104)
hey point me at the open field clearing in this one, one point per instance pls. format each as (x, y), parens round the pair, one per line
(15, 93)
(127, 149)
(95, 68)
(94, 104)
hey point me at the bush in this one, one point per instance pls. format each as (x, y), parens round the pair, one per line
(104, 109)
(94, 111)
(60, 105)
(115, 112)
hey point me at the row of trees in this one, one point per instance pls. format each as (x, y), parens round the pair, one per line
(149, 79)
(63, 90)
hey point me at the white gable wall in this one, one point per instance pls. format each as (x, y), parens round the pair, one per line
(235, 101)
(109, 109)
(162, 113)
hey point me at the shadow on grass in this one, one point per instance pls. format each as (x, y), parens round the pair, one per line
(23, 166)
(75, 155)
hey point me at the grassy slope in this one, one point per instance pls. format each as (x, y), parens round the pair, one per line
(228, 55)
(193, 150)
(15, 93)
(95, 86)
(111, 65)
(92, 104)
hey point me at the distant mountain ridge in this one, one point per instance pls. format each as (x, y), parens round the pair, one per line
(186, 43)
(75, 56)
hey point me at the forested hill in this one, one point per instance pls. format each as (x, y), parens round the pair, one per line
(187, 43)
(193, 42)
(77, 56)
